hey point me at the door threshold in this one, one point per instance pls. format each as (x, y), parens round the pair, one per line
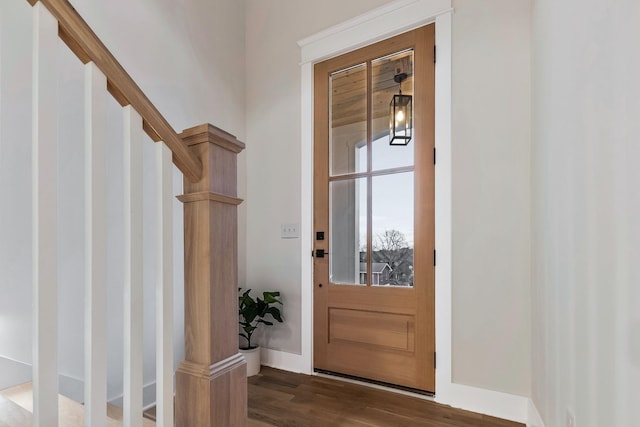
(380, 385)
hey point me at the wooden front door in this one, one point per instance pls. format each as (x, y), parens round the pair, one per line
(374, 214)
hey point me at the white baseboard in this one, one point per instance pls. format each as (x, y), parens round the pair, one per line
(282, 360)
(534, 419)
(148, 397)
(71, 387)
(13, 373)
(488, 402)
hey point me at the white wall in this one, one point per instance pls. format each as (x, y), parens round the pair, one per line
(273, 145)
(15, 181)
(491, 96)
(188, 57)
(586, 205)
(491, 110)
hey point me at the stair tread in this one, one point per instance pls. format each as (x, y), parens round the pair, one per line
(13, 415)
(71, 413)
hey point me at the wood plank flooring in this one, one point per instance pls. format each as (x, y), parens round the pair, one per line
(280, 398)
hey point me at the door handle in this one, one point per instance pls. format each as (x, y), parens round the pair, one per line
(319, 253)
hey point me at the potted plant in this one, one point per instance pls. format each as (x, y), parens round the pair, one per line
(253, 312)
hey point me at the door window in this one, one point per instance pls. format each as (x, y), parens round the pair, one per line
(370, 182)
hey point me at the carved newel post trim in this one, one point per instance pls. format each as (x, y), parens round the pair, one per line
(211, 383)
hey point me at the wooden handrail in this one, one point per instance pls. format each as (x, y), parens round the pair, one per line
(84, 43)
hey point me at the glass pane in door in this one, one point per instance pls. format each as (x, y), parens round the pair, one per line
(348, 120)
(392, 223)
(383, 85)
(348, 231)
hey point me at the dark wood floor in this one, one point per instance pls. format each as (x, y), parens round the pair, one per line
(279, 398)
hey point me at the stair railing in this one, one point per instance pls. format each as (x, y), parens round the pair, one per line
(211, 381)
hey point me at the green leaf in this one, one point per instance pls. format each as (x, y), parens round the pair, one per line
(275, 313)
(271, 297)
(252, 312)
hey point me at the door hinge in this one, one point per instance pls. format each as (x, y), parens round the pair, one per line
(434, 54)
(434, 360)
(434, 155)
(434, 257)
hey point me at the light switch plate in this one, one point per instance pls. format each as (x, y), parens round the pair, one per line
(571, 419)
(289, 231)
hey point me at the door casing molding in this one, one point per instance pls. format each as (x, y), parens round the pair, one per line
(389, 20)
(381, 23)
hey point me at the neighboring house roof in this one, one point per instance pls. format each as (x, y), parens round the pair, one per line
(376, 267)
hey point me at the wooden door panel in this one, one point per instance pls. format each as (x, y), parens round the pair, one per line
(393, 367)
(372, 298)
(382, 333)
(388, 331)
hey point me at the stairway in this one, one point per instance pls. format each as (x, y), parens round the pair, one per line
(16, 405)
(12, 414)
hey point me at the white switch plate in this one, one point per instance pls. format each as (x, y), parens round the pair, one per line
(289, 231)
(571, 419)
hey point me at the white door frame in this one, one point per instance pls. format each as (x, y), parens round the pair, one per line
(381, 23)
(387, 21)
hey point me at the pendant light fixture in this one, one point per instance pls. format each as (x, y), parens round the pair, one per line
(400, 114)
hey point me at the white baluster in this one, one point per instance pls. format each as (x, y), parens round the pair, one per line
(133, 295)
(95, 376)
(1, 94)
(44, 199)
(164, 289)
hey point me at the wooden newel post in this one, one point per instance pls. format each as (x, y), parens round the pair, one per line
(211, 383)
